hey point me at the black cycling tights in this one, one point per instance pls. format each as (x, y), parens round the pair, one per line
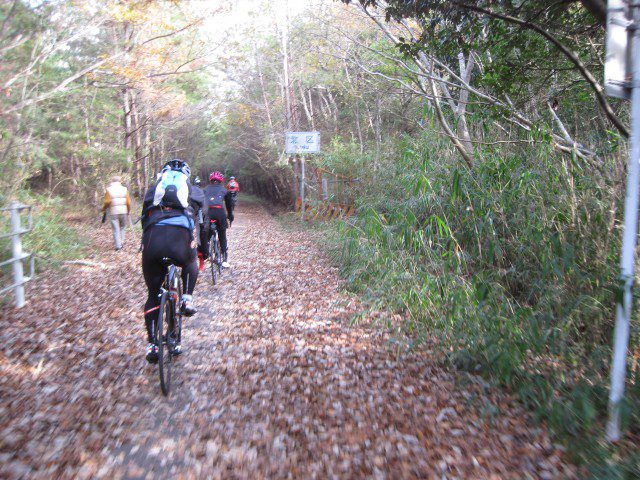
(220, 217)
(159, 242)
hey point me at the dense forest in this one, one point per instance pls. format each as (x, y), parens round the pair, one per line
(485, 163)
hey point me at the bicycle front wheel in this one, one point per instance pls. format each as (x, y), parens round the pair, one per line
(163, 329)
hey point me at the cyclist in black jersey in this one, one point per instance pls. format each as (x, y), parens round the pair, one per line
(219, 208)
(169, 231)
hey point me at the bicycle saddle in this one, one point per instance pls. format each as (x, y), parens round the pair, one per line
(166, 261)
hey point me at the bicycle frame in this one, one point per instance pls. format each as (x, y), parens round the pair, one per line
(170, 284)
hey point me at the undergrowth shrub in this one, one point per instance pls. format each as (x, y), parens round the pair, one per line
(51, 239)
(511, 265)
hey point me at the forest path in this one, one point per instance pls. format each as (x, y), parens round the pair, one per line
(274, 382)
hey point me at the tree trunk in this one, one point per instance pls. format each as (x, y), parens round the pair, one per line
(288, 93)
(148, 158)
(333, 107)
(86, 109)
(161, 159)
(135, 123)
(466, 68)
(359, 127)
(127, 123)
(265, 99)
(306, 108)
(378, 129)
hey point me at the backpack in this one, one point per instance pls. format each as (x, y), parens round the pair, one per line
(216, 200)
(172, 190)
(215, 197)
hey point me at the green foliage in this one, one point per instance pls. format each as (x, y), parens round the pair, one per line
(518, 59)
(512, 266)
(52, 239)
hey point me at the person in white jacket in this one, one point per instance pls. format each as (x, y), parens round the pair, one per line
(117, 200)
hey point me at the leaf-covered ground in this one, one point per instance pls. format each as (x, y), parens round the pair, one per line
(274, 383)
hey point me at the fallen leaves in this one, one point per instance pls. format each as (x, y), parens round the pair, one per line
(273, 383)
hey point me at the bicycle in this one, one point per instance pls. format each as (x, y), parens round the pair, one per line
(168, 331)
(215, 257)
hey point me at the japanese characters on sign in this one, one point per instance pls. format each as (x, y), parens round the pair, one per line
(302, 142)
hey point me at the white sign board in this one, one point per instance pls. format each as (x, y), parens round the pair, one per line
(302, 142)
(617, 67)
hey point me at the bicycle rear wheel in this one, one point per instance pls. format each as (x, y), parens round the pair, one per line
(218, 256)
(213, 258)
(163, 328)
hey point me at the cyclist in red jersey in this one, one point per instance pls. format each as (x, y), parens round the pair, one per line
(234, 187)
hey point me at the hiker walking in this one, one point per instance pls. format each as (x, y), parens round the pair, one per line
(117, 200)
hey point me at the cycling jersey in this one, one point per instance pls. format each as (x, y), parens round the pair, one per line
(181, 221)
(233, 186)
(217, 197)
(152, 214)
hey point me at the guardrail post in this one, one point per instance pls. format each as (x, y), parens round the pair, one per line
(16, 251)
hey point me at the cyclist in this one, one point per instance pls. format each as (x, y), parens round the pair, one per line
(168, 221)
(218, 198)
(234, 187)
(203, 251)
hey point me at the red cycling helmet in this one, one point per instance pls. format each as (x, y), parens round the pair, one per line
(216, 176)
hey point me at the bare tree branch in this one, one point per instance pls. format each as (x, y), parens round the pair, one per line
(572, 56)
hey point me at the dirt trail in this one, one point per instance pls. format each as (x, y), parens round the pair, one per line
(274, 382)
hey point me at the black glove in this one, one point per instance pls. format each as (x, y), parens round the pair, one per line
(230, 217)
(104, 216)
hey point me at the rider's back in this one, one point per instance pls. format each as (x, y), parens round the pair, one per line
(154, 211)
(216, 196)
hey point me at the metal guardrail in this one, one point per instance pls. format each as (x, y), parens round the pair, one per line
(326, 210)
(17, 255)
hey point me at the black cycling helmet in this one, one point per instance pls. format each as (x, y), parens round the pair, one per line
(197, 181)
(179, 165)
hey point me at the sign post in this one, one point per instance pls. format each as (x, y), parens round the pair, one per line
(620, 21)
(301, 143)
(617, 65)
(303, 205)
